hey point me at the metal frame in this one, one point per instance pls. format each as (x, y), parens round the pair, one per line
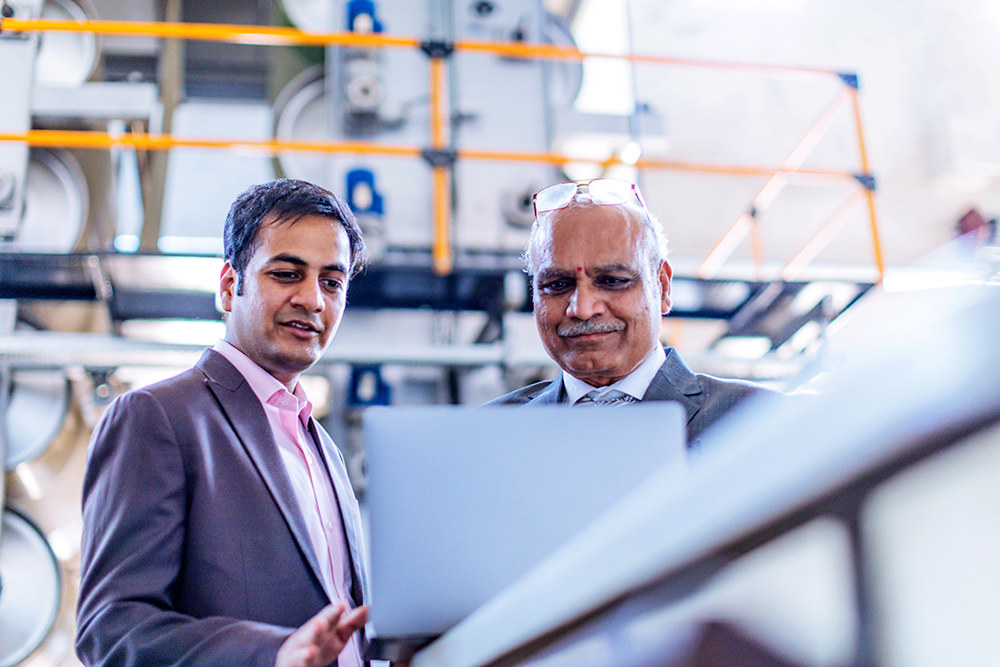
(439, 52)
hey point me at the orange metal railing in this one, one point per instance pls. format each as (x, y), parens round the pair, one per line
(745, 224)
(441, 251)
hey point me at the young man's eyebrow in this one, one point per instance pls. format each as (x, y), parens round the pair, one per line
(288, 259)
(298, 261)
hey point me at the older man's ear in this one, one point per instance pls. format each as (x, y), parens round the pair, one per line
(664, 275)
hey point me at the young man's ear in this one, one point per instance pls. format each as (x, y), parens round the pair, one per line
(227, 286)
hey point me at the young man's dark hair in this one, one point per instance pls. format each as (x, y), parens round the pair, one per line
(284, 200)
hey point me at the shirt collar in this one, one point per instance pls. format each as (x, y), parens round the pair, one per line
(268, 389)
(634, 384)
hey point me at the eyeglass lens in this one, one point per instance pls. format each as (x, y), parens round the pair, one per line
(555, 196)
(610, 191)
(605, 191)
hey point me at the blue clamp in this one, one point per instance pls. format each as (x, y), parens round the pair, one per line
(356, 8)
(363, 178)
(367, 388)
(867, 181)
(850, 78)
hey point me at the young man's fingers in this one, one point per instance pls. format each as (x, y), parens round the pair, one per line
(351, 622)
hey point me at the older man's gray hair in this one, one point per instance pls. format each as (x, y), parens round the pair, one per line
(654, 240)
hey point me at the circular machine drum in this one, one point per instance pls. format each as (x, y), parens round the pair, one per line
(36, 409)
(30, 588)
(66, 59)
(56, 202)
(310, 15)
(46, 466)
(300, 113)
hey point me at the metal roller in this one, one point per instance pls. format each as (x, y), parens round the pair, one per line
(300, 112)
(45, 482)
(66, 59)
(56, 203)
(309, 15)
(36, 409)
(31, 588)
(49, 421)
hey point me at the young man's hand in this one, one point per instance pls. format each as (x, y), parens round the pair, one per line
(320, 640)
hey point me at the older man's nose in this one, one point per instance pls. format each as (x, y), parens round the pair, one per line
(584, 303)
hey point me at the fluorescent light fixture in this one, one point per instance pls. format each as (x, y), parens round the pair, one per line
(182, 332)
(126, 243)
(630, 153)
(191, 245)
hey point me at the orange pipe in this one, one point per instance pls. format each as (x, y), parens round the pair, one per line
(512, 156)
(725, 246)
(441, 249)
(676, 165)
(741, 170)
(551, 52)
(159, 142)
(273, 35)
(104, 140)
(437, 102)
(818, 241)
(876, 242)
(239, 34)
(738, 229)
(801, 151)
(869, 194)
(757, 247)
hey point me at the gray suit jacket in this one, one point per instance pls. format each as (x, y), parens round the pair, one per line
(195, 551)
(705, 398)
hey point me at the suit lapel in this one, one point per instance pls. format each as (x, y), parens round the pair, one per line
(675, 382)
(552, 394)
(246, 416)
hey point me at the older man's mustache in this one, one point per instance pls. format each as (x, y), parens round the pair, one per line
(588, 327)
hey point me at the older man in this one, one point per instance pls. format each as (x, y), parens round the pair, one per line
(601, 284)
(219, 523)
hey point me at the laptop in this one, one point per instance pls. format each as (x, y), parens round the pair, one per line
(461, 501)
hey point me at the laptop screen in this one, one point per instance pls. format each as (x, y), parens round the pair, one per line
(461, 501)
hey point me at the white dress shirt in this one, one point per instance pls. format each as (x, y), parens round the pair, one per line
(634, 384)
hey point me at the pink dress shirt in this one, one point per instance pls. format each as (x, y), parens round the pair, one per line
(288, 414)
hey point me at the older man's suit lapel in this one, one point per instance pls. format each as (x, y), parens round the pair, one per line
(245, 414)
(552, 394)
(675, 382)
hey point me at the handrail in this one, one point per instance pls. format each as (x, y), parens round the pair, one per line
(280, 35)
(153, 142)
(441, 250)
(211, 32)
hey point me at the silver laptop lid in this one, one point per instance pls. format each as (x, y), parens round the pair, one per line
(461, 501)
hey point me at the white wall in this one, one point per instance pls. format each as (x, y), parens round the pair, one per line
(930, 97)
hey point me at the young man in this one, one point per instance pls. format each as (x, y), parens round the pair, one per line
(220, 527)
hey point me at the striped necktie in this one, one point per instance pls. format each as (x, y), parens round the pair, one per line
(605, 397)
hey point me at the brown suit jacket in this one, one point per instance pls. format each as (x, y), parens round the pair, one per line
(195, 551)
